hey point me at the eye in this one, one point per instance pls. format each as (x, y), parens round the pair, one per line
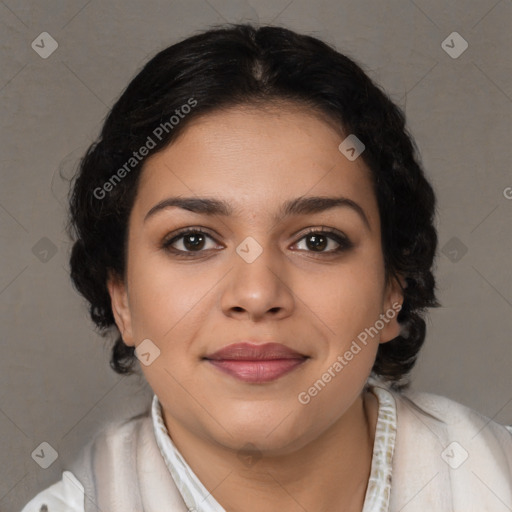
(187, 241)
(317, 240)
(190, 241)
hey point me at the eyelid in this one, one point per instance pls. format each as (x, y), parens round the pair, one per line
(321, 229)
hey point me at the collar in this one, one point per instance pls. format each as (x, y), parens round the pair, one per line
(378, 491)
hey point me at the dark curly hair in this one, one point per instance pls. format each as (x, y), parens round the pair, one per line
(237, 65)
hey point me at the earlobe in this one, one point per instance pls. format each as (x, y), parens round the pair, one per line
(120, 307)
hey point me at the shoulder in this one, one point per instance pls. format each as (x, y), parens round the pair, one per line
(448, 456)
(111, 445)
(111, 448)
(448, 411)
(444, 421)
(66, 495)
(114, 438)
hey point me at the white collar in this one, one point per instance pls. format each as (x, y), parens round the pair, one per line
(378, 492)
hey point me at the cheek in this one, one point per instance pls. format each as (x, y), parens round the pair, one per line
(353, 291)
(161, 296)
(348, 303)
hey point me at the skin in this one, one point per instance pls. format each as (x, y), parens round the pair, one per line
(312, 300)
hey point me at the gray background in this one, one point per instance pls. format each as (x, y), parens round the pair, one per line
(55, 382)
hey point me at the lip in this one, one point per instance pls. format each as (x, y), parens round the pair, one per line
(256, 363)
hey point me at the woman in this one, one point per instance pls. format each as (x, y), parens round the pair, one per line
(255, 226)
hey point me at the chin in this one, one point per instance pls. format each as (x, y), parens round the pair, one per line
(274, 433)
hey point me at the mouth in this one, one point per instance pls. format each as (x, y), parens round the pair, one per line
(256, 363)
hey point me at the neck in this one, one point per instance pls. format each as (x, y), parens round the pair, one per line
(332, 469)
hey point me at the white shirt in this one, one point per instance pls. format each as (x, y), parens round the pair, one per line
(67, 495)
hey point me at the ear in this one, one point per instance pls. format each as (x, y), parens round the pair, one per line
(120, 307)
(393, 300)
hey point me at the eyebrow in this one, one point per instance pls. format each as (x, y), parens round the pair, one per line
(299, 206)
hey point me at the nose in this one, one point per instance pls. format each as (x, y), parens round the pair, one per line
(258, 289)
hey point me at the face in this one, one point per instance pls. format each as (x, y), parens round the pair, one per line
(309, 277)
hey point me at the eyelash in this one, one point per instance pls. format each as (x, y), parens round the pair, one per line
(343, 241)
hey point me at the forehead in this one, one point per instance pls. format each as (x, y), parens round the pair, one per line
(256, 159)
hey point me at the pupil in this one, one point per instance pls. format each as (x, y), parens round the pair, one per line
(196, 241)
(319, 241)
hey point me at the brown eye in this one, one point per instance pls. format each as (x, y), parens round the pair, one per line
(188, 241)
(320, 240)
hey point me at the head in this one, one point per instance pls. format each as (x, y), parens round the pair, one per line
(217, 206)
